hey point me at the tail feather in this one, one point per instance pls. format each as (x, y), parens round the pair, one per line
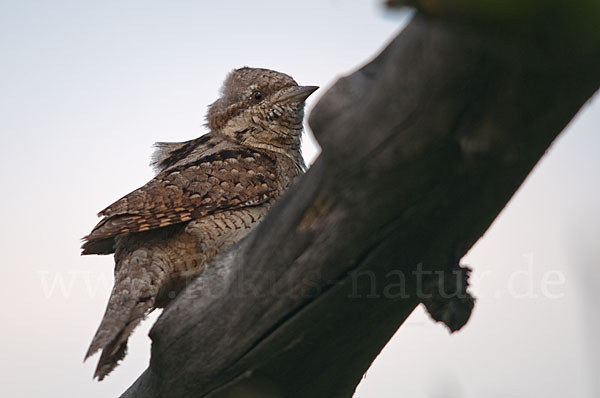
(143, 269)
(129, 303)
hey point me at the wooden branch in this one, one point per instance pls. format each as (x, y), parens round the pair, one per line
(422, 148)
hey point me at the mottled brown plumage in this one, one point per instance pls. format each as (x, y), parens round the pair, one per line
(208, 193)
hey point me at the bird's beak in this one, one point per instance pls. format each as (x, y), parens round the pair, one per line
(298, 94)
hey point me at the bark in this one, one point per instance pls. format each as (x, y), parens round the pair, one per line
(422, 149)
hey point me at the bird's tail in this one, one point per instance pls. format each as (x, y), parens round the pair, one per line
(131, 299)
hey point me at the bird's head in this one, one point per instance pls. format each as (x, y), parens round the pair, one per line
(260, 108)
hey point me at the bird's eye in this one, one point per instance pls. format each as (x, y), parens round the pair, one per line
(257, 95)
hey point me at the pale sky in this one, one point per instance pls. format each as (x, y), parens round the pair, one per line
(86, 88)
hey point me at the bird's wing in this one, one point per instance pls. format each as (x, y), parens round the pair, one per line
(167, 154)
(229, 179)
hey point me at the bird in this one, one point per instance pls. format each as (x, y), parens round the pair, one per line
(207, 194)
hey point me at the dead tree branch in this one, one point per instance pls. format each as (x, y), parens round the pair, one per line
(422, 149)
